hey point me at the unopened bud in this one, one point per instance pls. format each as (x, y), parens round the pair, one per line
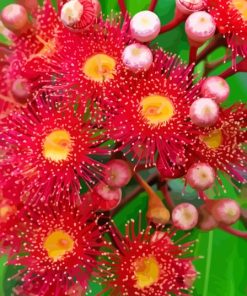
(204, 112)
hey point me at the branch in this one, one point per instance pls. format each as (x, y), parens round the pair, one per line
(153, 5)
(150, 180)
(233, 231)
(122, 6)
(172, 24)
(215, 43)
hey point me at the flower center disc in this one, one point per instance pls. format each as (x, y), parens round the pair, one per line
(57, 145)
(100, 67)
(147, 271)
(241, 6)
(6, 211)
(213, 140)
(57, 244)
(157, 109)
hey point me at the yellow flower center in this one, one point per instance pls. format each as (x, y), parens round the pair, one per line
(147, 272)
(57, 145)
(6, 210)
(213, 140)
(241, 6)
(57, 244)
(157, 109)
(100, 67)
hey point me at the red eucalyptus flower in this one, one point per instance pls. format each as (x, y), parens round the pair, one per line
(152, 114)
(222, 146)
(59, 247)
(50, 147)
(146, 264)
(231, 20)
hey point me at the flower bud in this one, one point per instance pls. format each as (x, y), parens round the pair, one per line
(15, 17)
(200, 176)
(117, 173)
(226, 211)
(97, 7)
(206, 220)
(199, 27)
(190, 6)
(185, 216)
(137, 57)
(30, 5)
(204, 112)
(145, 26)
(78, 14)
(20, 90)
(108, 198)
(216, 88)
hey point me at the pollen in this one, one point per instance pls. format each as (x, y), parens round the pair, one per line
(241, 6)
(100, 67)
(57, 244)
(157, 109)
(213, 140)
(147, 272)
(57, 146)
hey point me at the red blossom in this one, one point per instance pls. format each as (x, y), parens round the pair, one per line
(231, 21)
(60, 246)
(152, 113)
(50, 147)
(145, 264)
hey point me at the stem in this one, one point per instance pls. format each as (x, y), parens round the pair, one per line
(153, 5)
(164, 189)
(172, 24)
(233, 231)
(215, 43)
(193, 54)
(150, 180)
(122, 6)
(229, 72)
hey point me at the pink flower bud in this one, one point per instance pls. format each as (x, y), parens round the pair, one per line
(97, 7)
(78, 14)
(199, 27)
(226, 211)
(30, 5)
(215, 88)
(117, 173)
(190, 6)
(14, 17)
(137, 57)
(206, 220)
(185, 216)
(200, 176)
(20, 90)
(145, 26)
(108, 198)
(204, 112)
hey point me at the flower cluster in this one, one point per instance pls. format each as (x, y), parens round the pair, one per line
(86, 103)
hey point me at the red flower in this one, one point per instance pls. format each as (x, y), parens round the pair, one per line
(145, 264)
(60, 246)
(152, 114)
(222, 146)
(91, 62)
(28, 49)
(50, 147)
(231, 20)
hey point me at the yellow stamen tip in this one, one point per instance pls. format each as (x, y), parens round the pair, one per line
(57, 244)
(57, 145)
(100, 67)
(157, 109)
